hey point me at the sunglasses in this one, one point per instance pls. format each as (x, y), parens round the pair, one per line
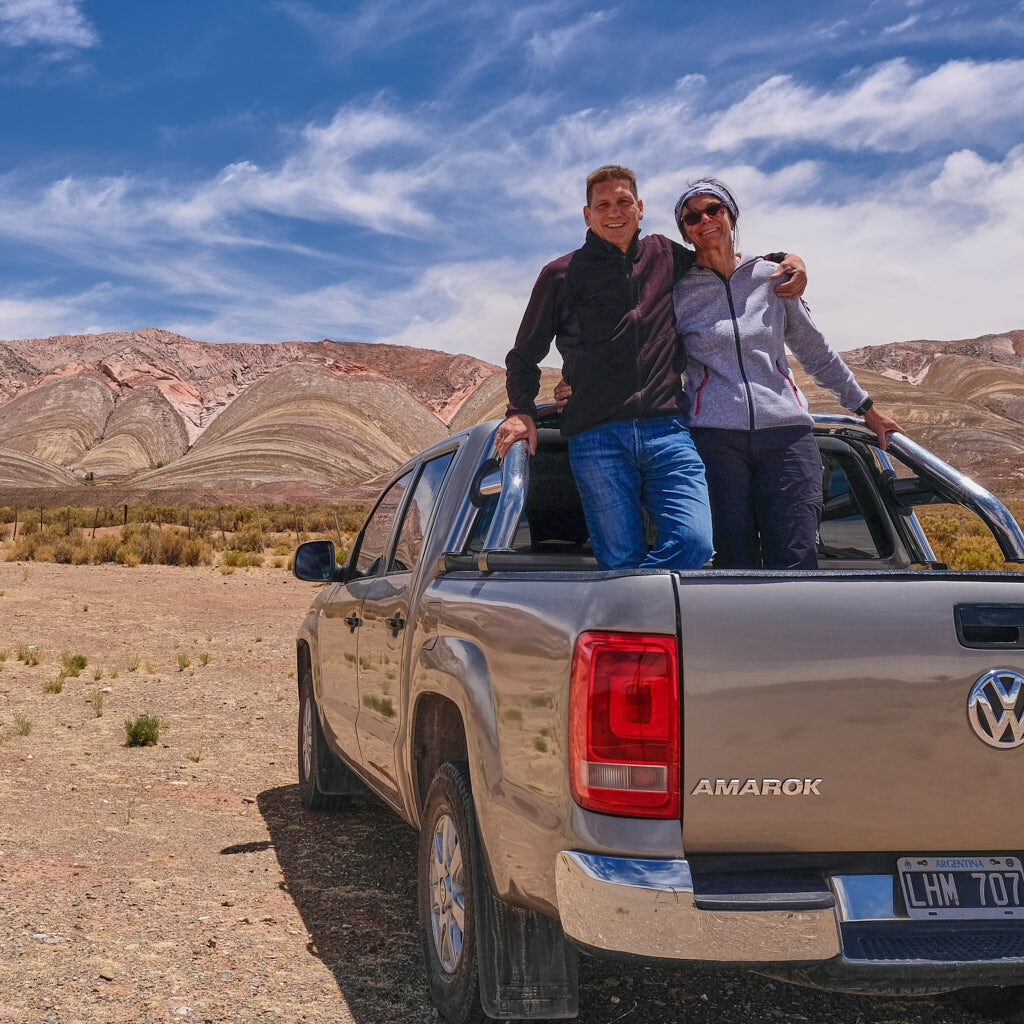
(694, 217)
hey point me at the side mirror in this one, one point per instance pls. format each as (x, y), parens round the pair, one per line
(314, 561)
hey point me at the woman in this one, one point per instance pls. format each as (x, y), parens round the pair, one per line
(748, 419)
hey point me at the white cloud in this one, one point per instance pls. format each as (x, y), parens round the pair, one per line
(897, 257)
(902, 26)
(550, 46)
(335, 174)
(58, 25)
(33, 316)
(892, 108)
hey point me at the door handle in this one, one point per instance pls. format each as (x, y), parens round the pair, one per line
(352, 621)
(396, 622)
(990, 625)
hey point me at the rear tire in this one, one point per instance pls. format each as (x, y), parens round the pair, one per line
(315, 757)
(448, 882)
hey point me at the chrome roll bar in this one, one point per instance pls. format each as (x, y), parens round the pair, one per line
(515, 482)
(949, 483)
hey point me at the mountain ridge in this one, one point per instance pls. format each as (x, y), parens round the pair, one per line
(153, 412)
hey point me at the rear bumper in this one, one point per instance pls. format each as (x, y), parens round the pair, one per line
(843, 933)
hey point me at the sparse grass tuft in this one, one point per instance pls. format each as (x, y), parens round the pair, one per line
(183, 661)
(4, 654)
(196, 754)
(204, 658)
(97, 704)
(22, 724)
(133, 663)
(97, 673)
(71, 665)
(29, 654)
(115, 672)
(143, 731)
(54, 685)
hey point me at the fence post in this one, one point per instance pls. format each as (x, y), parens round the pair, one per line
(67, 532)
(259, 526)
(125, 515)
(296, 515)
(338, 528)
(14, 536)
(220, 521)
(95, 520)
(40, 518)
(188, 523)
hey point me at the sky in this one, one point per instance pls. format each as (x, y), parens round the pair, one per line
(400, 170)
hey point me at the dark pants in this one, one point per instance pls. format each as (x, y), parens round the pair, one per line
(765, 489)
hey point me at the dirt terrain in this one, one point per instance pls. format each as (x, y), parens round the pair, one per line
(183, 881)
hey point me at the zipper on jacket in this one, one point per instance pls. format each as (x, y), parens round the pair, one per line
(696, 410)
(739, 350)
(634, 301)
(789, 381)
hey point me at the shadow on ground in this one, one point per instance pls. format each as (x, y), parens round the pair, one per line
(352, 876)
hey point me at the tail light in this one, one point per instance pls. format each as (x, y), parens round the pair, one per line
(624, 724)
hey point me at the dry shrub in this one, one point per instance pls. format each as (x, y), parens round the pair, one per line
(127, 555)
(247, 540)
(240, 559)
(196, 552)
(24, 549)
(64, 552)
(962, 541)
(170, 548)
(104, 548)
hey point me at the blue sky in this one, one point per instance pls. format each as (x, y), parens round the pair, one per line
(270, 170)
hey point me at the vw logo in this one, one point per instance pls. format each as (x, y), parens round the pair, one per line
(995, 708)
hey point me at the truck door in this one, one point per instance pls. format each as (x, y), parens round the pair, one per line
(385, 629)
(341, 620)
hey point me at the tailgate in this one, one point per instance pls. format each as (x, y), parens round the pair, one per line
(831, 714)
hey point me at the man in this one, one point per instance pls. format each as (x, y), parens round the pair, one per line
(608, 307)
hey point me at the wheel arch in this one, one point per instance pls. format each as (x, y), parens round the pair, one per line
(303, 660)
(438, 735)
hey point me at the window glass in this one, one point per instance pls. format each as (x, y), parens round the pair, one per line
(844, 532)
(553, 518)
(414, 525)
(375, 536)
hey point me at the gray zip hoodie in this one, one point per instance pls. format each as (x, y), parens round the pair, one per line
(735, 332)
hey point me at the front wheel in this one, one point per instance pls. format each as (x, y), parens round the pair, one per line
(314, 755)
(448, 884)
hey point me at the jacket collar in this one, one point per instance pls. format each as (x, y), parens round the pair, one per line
(597, 246)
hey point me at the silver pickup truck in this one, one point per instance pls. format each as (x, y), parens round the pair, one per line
(810, 774)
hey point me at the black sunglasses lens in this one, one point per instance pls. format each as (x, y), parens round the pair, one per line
(690, 219)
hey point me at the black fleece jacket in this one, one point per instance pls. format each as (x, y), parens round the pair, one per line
(611, 316)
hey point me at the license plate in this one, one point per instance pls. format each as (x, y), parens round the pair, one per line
(962, 888)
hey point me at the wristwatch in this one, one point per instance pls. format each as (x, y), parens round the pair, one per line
(863, 407)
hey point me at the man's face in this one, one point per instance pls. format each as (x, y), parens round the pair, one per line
(614, 213)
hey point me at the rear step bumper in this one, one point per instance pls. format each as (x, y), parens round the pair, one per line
(843, 934)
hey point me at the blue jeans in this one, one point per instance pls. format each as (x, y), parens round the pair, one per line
(629, 465)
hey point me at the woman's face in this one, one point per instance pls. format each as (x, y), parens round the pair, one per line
(714, 229)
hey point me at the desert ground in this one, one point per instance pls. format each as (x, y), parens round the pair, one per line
(183, 881)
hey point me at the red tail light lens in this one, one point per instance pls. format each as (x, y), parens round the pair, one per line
(624, 722)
